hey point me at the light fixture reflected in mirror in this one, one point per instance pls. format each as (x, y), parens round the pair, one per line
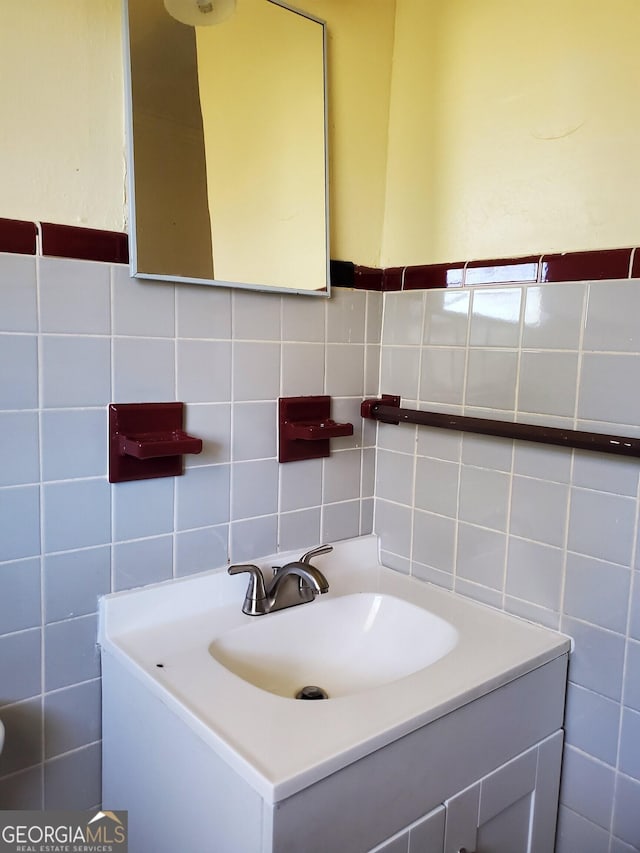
(200, 13)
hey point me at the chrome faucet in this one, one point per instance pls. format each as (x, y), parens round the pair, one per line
(294, 583)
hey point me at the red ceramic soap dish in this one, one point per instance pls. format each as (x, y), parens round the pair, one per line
(146, 440)
(305, 428)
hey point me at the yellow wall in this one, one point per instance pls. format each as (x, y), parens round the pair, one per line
(360, 46)
(514, 126)
(520, 131)
(61, 103)
(62, 155)
(410, 224)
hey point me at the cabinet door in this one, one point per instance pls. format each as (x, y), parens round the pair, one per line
(513, 809)
(424, 836)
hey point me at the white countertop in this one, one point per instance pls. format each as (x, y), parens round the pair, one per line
(280, 745)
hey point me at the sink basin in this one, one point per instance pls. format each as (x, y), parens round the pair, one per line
(392, 652)
(343, 645)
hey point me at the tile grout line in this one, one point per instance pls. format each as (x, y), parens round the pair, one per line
(232, 420)
(362, 425)
(112, 382)
(281, 390)
(507, 531)
(572, 462)
(40, 372)
(185, 468)
(625, 663)
(467, 345)
(414, 468)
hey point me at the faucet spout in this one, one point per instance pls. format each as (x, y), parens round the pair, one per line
(295, 583)
(308, 574)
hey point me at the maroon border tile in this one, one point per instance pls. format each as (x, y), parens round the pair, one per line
(71, 241)
(392, 278)
(429, 276)
(367, 278)
(586, 266)
(89, 244)
(18, 236)
(502, 271)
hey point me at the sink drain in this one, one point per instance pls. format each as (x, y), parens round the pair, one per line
(312, 692)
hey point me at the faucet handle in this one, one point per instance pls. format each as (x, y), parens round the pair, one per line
(316, 552)
(256, 591)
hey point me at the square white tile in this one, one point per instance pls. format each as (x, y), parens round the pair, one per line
(442, 375)
(553, 316)
(254, 488)
(495, 317)
(434, 541)
(346, 316)
(403, 318)
(144, 507)
(480, 555)
(548, 383)
(256, 316)
(345, 370)
(203, 312)
(143, 370)
(302, 369)
(342, 476)
(446, 321)
(18, 372)
(76, 372)
(19, 448)
(75, 296)
(204, 371)
(18, 302)
(142, 562)
(74, 443)
(77, 513)
(300, 484)
(256, 371)
(202, 497)
(19, 522)
(253, 538)
(254, 431)
(394, 476)
(491, 379)
(20, 595)
(601, 525)
(303, 320)
(142, 307)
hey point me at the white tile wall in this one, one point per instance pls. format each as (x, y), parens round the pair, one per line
(542, 532)
(75, 336)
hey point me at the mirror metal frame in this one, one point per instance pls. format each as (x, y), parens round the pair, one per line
(131, 225)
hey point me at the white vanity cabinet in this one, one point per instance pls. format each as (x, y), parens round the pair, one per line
(482, 762)
(484, 777)
(461, 753)
(511, 810)
(426, 834)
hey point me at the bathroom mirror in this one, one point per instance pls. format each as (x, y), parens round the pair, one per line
(227, 139)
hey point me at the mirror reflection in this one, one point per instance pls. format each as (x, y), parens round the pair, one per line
(228, 155)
